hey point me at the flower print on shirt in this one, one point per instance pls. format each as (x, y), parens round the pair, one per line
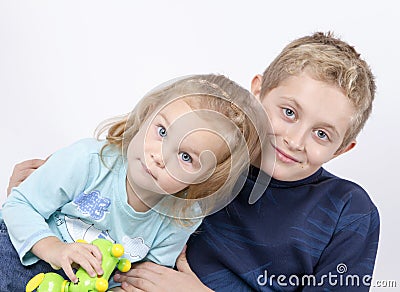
(92, 204)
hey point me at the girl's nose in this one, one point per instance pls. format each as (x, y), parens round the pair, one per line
(158, 159)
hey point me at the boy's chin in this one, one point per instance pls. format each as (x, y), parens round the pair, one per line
(283, 174)
(287, 178)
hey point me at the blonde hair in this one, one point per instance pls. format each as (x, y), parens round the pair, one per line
(211, 92)
(330, 60)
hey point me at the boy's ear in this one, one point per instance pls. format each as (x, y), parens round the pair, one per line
(350, 146)
(256, 85)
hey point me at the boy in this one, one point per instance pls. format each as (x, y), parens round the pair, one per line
(310, 230)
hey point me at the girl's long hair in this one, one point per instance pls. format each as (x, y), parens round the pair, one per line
(244, 138)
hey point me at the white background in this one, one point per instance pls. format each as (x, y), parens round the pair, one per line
(67, 65)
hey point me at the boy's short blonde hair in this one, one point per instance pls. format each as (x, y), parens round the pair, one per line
(330, 60)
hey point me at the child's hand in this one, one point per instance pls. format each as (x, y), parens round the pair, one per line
(149, 277)
(21, 171)
(63, 255)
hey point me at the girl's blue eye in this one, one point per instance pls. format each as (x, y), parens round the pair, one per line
(185, 157)
(288, 112)
(162, 131)
(321, 134)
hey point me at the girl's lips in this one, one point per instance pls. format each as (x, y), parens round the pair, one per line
(285, 157)
(146, 169)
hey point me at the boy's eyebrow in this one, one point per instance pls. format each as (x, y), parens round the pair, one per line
(331, 127)
(291, 99)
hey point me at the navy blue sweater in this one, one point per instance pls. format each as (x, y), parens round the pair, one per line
(317, 234)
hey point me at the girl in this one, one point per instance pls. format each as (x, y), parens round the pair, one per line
(160, 170)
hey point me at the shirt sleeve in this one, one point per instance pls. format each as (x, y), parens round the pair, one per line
(170, 243)
(46, 190)
(348, 261)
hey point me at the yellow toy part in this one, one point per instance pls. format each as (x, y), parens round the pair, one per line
(47, 282)
(117, 250)
(101, 285)
(124, 265)
(34, 282)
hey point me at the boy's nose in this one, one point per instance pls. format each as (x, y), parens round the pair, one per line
(294, 140)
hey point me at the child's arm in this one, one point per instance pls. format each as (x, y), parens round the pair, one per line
(47, 189)
(62, 255)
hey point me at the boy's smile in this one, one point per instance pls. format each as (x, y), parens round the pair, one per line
(284, 157)
(309, 119)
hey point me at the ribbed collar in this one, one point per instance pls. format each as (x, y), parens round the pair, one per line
(261, 177)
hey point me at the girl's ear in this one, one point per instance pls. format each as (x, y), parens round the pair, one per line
(350, 146)
(256, 85)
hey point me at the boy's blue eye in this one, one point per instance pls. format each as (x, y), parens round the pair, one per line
(162, 131)
(185, 157)
(321, 134)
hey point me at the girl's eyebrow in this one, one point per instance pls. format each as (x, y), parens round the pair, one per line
(192, 150)
(167, 123)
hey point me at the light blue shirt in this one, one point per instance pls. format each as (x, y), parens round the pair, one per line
(77, 195)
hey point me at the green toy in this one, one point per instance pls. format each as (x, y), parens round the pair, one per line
(52, 282)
